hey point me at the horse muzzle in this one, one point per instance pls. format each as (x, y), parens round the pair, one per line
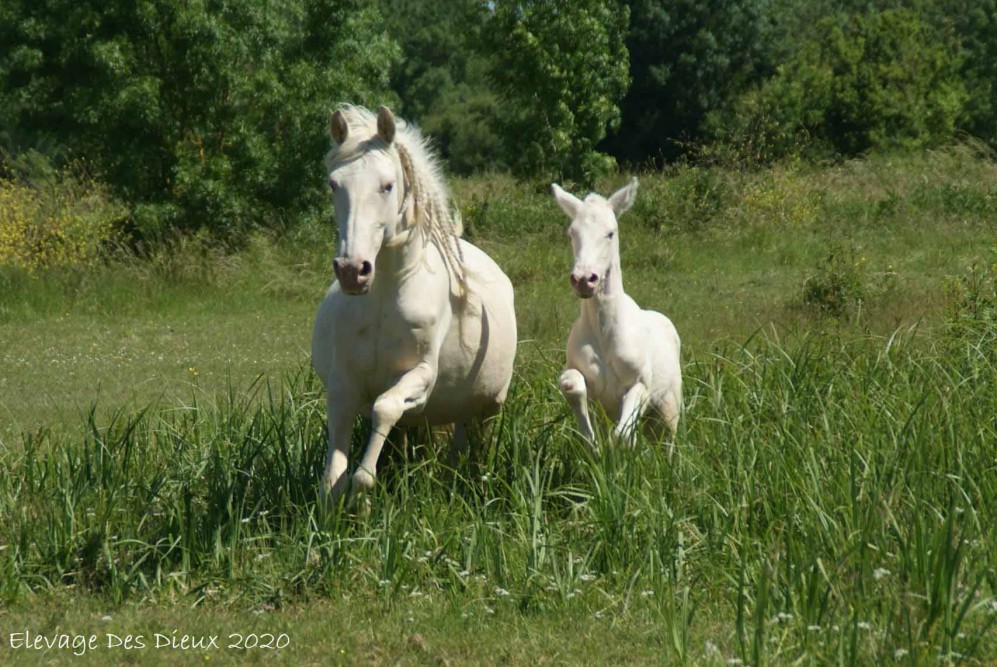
(584, 284)
(354, 276)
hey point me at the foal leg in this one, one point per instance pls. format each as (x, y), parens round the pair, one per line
(410, 393)
(631, 408)
(670, 406)
(572, 385)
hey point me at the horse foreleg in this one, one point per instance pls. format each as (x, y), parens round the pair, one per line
(572, 385)
(410, 393)
(341, 412)
(632, 406)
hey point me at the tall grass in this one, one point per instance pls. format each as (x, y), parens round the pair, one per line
(830, 499)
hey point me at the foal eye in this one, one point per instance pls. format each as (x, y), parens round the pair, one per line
(333, 185)
(610, 235)
(386, 188)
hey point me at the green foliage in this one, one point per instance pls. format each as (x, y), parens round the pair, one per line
(54, 220)
(689, 59)
(562, 68)
(869, 80)
(837, 487)
(973, 310)
(838, 285)
(975, 24)
(203, 114)
(442, 79)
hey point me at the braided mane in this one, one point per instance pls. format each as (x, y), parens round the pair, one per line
(431, 207)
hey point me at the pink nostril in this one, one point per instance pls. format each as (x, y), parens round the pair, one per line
(365, 268)
(594, 278)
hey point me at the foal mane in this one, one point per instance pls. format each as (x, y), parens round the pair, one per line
(424, 185)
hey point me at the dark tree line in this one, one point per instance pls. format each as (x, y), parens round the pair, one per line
(213, 114)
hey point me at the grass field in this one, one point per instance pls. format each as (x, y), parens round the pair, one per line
(830, 500)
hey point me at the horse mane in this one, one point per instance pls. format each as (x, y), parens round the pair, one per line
(424, 183)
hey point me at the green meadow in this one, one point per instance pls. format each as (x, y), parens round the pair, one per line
(830, 498)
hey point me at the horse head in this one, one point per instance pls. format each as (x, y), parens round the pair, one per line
(593, 235)
(367, 180)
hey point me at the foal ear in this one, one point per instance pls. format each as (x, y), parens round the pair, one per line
(386, 125)
(623, 199)
(339, 129)
(567, 201)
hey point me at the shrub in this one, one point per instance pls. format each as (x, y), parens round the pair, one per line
(65, 224)
(837, 284)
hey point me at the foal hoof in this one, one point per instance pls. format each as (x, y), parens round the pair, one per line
(572, 384)
(363, 481)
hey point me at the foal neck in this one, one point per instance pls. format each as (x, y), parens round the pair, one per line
(603, 308)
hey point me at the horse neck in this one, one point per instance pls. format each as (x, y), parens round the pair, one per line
(404, 255)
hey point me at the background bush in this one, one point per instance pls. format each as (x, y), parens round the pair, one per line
(200, 114)
(562, 68)
(62, 223)
(213, 116)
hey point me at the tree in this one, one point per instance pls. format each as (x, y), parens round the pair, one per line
(867, 81)
(561, 66)
(975, 26)
(442, 79)
(202, 114)
(689, 59)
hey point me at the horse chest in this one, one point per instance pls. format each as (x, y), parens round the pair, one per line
(384, 341)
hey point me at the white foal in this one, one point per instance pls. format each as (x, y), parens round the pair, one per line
(433, 336)
(624, 357)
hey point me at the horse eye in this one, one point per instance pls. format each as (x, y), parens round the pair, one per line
(610, 235)
(386, 188)
(333, 185)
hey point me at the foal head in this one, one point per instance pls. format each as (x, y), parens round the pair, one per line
(593, 232)
(368, 191)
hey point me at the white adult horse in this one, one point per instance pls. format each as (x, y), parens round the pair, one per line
(419, 325)
(619, 355)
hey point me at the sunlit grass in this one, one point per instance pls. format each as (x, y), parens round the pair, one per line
(829, 499)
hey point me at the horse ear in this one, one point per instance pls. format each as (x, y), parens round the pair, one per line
(567, 201)
(339, 129)
(623, 199)
(386, 124)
